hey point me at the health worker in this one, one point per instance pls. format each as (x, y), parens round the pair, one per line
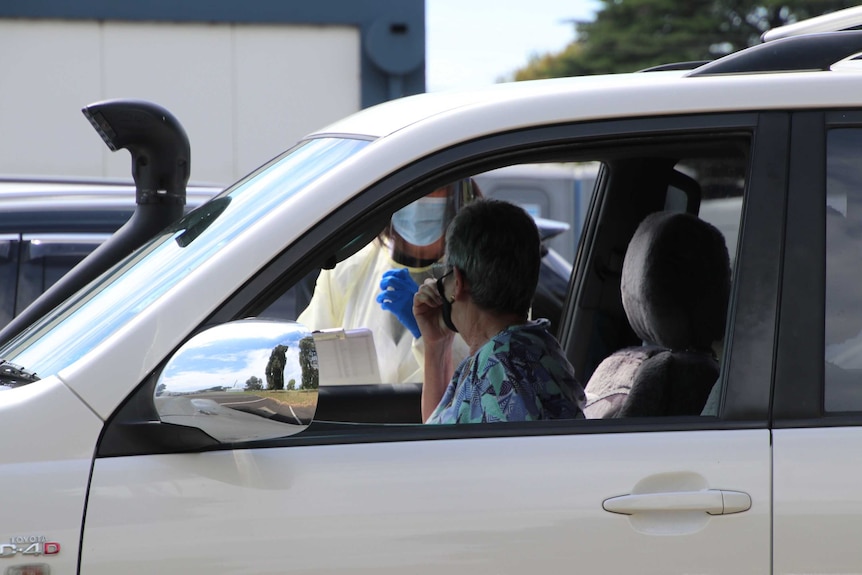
(374, 288)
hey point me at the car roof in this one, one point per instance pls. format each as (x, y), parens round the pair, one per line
(53, 194)
(394, 115)
(519, 104)
(407, 130)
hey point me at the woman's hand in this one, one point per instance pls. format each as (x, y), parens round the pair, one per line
(427, 309)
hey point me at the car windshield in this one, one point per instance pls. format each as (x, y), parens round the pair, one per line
(100, 309)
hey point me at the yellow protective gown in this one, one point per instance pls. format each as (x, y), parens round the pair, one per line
(345, 297)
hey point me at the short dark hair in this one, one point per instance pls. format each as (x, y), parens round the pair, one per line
(496, 246)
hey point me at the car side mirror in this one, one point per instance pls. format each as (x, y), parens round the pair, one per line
(242, 381)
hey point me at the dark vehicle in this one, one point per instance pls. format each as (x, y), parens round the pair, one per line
(48, 225)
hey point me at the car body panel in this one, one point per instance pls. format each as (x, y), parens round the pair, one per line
(463, 506)
(45, 463)
(818, 508)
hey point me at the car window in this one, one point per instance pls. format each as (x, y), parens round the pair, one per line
(344, 299)
(843, 306)
(651, 297)
(722, 183)
(371, 364)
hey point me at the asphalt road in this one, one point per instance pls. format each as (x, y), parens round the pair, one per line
(263, 406)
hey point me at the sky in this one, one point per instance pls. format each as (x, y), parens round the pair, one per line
(471, 43)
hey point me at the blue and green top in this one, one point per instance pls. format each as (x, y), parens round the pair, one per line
(520, 374)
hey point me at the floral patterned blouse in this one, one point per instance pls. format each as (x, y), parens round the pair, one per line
(521, 374)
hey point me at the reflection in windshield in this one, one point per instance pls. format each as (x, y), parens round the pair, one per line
(101, 308)
(192, 226)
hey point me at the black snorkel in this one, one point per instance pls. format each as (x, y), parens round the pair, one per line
(161, 158)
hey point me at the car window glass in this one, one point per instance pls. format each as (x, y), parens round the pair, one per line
(843, 306)
(553, 191)
(374, 373)
(723, 184)
(672, 313)
(345, 297)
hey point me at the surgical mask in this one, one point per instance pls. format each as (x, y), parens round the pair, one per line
(422, 222)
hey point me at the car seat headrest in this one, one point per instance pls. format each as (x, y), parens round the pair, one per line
(676, 281)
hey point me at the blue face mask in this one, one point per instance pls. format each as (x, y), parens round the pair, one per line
(422, 222)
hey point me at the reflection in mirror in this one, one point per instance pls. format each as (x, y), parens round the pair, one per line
(242, 381)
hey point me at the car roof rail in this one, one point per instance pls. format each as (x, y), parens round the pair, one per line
(676, 66)
(832, 22)
(801, 53)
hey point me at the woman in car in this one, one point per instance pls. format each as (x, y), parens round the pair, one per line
(516, 370)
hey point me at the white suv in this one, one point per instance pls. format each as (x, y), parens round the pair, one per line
(137, 440)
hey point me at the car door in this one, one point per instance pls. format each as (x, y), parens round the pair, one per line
(818, 386)
(375, 495)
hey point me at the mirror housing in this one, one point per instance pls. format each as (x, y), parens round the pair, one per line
(242, 381)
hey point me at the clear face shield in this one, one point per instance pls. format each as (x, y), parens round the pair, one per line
(417, 232)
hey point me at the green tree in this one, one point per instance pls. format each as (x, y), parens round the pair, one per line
(629, 35)
(291, 385)
(275, 367)
(308, 363)
(253, 383)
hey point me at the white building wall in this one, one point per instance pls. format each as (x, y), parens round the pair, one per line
(244, 93)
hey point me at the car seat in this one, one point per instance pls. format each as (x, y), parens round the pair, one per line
(675, 286)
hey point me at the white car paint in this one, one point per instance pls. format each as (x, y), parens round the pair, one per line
(501, 505)
(47, 456)
(817, 507)
(465, 115)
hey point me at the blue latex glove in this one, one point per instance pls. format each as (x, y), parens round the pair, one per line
(397, 296)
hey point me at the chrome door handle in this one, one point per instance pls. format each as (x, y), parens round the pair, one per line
(711, 501)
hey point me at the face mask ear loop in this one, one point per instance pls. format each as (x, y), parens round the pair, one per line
(446, 311)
